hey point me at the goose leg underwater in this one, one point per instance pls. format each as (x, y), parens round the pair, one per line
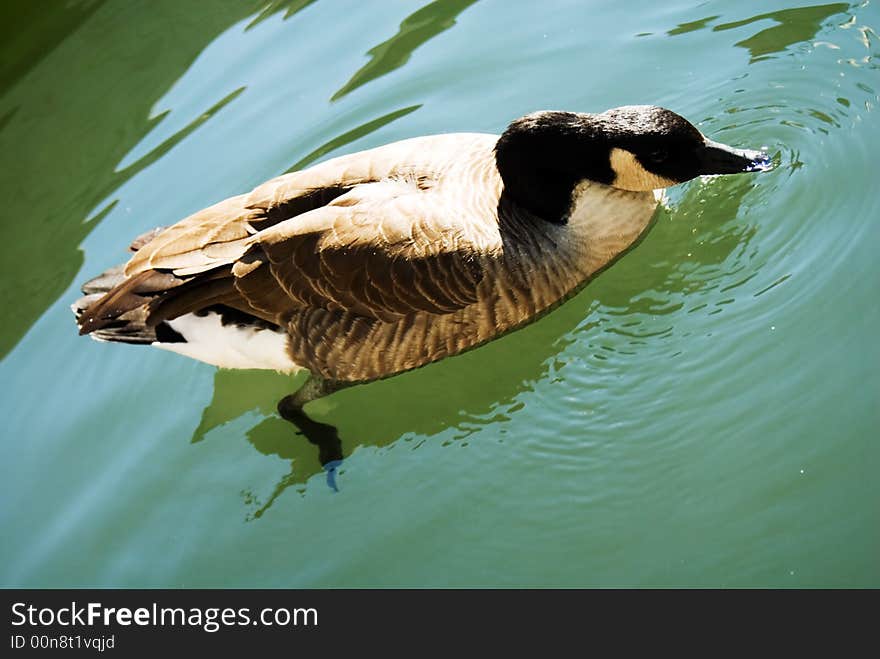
(382, 261)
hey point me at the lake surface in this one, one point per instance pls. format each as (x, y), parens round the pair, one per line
(705, 413)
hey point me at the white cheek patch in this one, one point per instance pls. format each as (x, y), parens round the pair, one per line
(630, 175)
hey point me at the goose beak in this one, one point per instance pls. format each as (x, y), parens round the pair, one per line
(719, 158)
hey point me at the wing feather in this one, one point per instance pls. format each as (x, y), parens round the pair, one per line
(367, 238)
(416, 258)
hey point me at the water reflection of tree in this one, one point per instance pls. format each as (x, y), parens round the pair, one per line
(793, 26)
(691, 257)
(82, 108)
(415, 30)
(355, 133)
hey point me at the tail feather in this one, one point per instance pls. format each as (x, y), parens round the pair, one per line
(117, 301)
(138, 309)
(110, 297)
(194, 296)
(129, 327)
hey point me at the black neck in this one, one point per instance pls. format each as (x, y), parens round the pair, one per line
(542, 159)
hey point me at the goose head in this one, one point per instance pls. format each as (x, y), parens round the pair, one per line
(543, 156)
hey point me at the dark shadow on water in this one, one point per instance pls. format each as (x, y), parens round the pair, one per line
(28, 31)
(6, 117)
(74, 106)
(793, 26)
(462, 391)
(415, 30)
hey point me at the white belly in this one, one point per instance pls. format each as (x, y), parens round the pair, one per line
(230, 346)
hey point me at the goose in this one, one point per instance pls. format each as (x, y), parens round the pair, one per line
(378, 262)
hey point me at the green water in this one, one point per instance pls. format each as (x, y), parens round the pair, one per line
(706, 413)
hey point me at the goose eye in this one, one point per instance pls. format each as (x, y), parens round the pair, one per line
(658, 156)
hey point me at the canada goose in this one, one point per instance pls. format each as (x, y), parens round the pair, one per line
(382, 261)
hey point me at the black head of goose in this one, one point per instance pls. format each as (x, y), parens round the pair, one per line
(382, 261)
(544, 156)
